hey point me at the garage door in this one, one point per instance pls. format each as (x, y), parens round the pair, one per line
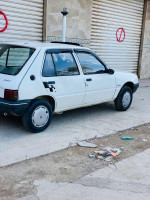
(116, 32)
(25, 20)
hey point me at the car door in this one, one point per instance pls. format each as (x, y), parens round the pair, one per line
(100, 86)
(63, 79)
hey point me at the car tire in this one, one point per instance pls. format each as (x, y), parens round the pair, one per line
(38, 116)
(124, 99)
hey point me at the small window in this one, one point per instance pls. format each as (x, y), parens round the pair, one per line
(13, 58)
(90, 64)
(48, 69)
(3, 59)
(65, 64)
(17, 57)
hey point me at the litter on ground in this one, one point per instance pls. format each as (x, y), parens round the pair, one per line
(87, 144)
(107, 154)
(127, 138)
(92, 156)
(119, 152)
(99, 152)
(109, 159)
(99, 157)
(110, 149)
(114, 154)
(70, 154)
(144, 140)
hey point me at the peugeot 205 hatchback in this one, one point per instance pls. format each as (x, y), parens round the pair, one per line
(37, 80)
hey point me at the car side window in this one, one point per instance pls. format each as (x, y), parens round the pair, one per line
(22, 55)
(3, 59)
(90, 64)
(48, 69)
(65, 64)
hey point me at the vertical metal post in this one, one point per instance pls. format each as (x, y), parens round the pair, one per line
(65, 13)
(64, 29)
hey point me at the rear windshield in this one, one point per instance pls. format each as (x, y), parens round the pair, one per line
(13, 58)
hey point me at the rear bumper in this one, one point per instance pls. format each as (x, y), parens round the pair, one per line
(16, 108)
(135, 87)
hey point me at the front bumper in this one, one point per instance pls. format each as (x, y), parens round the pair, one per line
(16, 108)
(135, 87)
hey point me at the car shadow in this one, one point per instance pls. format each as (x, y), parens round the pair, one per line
(87, 111)
(10, 125)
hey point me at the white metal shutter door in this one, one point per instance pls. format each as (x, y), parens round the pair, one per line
(107, 17)
(25, 20)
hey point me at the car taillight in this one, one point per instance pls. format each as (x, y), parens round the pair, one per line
(11, 95)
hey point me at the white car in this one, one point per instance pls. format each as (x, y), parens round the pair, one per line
(38, 80)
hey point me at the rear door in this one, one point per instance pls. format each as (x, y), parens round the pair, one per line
(100, 86)
(63, 79)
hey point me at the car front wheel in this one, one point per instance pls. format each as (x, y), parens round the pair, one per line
(38, 116)
(124, 99)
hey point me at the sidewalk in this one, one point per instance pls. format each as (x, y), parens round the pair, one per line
(127, 180)
(16, 144)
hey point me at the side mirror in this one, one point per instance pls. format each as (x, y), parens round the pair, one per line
(110, 71)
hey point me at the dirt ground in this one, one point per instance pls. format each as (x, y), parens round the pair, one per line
(68, 165)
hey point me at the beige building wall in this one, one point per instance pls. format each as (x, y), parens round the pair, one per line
(78, 20)
(145, 58)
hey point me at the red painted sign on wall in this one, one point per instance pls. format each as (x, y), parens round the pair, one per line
(120, 35)
(6, 22)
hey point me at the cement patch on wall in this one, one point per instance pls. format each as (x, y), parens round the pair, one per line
(78, 20)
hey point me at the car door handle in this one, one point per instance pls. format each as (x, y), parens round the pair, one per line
(51, 82)
(88, 79)
(46, 84)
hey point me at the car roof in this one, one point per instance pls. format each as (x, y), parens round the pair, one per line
(46, 45)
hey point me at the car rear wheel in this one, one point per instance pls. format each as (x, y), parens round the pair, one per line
(124, 99)
(38, 116)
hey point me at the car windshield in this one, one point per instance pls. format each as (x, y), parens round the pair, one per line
(13, 58)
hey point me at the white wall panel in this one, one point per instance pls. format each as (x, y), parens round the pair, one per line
(107, 17)
(25, 20)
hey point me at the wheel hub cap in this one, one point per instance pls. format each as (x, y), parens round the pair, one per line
(126, 99)
(40, 116)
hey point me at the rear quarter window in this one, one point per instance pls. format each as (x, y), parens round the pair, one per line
(13, 58)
